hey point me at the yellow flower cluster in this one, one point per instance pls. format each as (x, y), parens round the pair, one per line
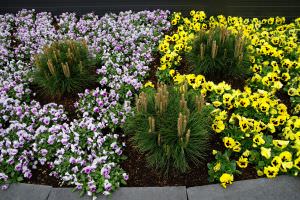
(257, 117)
(274, 49)
(254, 124)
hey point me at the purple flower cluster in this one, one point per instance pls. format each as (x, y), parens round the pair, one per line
(81, 150)
(78, 152)
(103, 106)
(5, 39)
(125, 43)
(34, 30)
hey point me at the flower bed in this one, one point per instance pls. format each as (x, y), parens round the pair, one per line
(260, 124)
(81, 142)
(79, 152)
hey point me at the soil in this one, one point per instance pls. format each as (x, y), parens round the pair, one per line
(153, 69)
(141, 175)
(67, 101)
(285, 98)
(41, 176)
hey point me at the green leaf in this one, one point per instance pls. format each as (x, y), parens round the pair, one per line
(81, 193)
(99, 190)
(123, 182)
(261, 164)
(19, 179)
(233, 165)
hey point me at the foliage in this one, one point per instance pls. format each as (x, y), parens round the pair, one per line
(84, 152)
(219, 55)
(260, 132)
(257, 128)
(221, 166)
(85, 157)
(171, 126)
(64, 67)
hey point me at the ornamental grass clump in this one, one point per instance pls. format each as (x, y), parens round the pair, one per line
(219, 55)
(171, 126)
(64, 67)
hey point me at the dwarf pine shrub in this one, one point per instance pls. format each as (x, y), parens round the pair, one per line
(219, 55)
(64, 67)
(171, 126)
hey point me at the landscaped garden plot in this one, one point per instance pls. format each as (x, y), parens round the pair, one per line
(199, 99)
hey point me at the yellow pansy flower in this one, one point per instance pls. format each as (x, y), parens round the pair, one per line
(172, 72)
(226, 179)
(203, 92)
(179, 78)
(219, 89)
(270, 171)
(276, 162)
(237, 147)
(244, 102)
(292, 92)
(265, 152)
(285, 156)
(285, 166)
(297, 163)
(217, 103)
(149, 84)
(193, 12)
(228, 142)
(260, 173)
(209, 85)
(274, 121)
(217, 167)
(285, 76)
(246, 153)
(214, 152)
(243, 123)
(242, 162)
(258, 139)
(271, 128)
(282, 109)
(227, 98)
(191, 78)
(256, 68)
(264, 107)
(281, 144)
(163, 67)
(218, 126)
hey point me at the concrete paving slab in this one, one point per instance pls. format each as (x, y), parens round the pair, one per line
(151, 193)
(66, 194)
(132, 193)
(25, 192)
(282, 187)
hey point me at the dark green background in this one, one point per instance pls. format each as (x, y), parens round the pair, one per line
(245, 8)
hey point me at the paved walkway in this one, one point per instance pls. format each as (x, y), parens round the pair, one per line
(281, 188)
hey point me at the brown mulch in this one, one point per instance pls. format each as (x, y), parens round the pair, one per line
(141, 175)
(67, 101)
(41, 176)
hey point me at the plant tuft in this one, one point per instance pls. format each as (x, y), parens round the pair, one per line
(64, 67)
(219, 55)
(171, 126)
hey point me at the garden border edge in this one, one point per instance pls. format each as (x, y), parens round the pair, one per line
(282, 187)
